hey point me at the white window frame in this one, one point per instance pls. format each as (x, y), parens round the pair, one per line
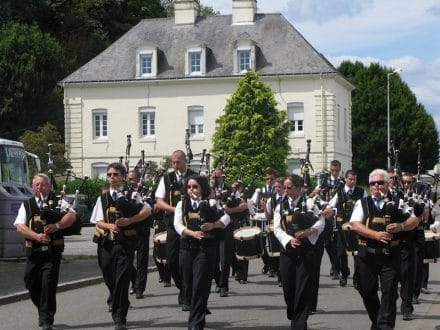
(151, 126)
(345, 124)
(194, 49)
(100, 131)
(149, 71)
(338, 122)
(295, 113)
(142, 52)
(244, 46)
(241, 67)
(196, 122)
(99, 170)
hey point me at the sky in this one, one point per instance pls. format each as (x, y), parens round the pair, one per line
(398, 34)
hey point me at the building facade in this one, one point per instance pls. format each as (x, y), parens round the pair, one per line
(165, 76)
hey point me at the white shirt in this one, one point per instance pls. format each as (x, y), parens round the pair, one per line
(285, 238)
(161, 191)
(178, 217)
(333, 203)
(98, 212)
(358, 211)
(21, 215)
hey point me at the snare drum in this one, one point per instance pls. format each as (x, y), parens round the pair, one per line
(350, 239)
(432, 247)
(159, 250)
(260, 221)
(248, 243)
(273, 245)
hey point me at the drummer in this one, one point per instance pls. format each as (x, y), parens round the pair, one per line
(271, 204)
(260, 196)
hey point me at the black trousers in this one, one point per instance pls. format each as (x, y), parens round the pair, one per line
(140, 272)
(319, 252)
(224, 258)
(41, 279)
(371, 269)
(241, 268)
(407, 271)
(116, 263)
(296, 268)
(197, 272)
(341, 254)
(172, 268)
(418, 268)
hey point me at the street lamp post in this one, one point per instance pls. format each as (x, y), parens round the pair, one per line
(396, 71)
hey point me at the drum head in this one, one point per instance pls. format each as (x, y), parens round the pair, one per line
(430, 236)
(160, 237)
(346, 226)
(260, 217)
(247, 233)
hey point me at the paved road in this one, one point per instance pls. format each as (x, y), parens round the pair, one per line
(256, 305)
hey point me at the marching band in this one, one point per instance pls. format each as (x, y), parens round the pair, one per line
(205, 229)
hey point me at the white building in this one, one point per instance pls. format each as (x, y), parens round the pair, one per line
(166, 75)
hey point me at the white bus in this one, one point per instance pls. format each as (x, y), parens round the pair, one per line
(14, 188)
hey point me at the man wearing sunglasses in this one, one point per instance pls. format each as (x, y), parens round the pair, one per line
(379, 223)
(118, 243)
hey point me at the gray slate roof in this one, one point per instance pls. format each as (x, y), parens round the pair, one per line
(281, 49)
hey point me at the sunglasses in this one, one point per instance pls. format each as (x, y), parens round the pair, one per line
(407, 182)
(287, 187)
(380, 183)
(193, 186)
(112, 174)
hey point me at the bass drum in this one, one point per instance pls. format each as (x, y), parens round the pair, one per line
(273, 245)
(248, 243)
(431, 247)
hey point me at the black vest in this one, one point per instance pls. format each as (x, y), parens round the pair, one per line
(346, 204)
(36, 219)
(193, 219)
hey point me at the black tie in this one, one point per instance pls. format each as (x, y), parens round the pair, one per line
(377, 202)
(350, 192)
(115, 196)
(194, 206)
(40, 203)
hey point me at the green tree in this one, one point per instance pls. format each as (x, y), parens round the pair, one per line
(252, 134)
(410, 124)
(37, 142)
(168, 6)
(31, 63)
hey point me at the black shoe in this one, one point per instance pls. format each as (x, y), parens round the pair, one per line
(217, 289)
(166, 284)
(46, 326)
(243, 282)
(415, 300)
(271, 273)
(120, 326)
(160, 280)
(408, 316)
(139, 295)
(224, 292)
(343, 281)
(132, 290)
(207, 312)
(265, 270)
(180, 299)
(110, 309)
(186, 308)
(425, 291)
(335, 276)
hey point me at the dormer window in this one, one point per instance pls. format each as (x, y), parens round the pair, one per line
(244, 56)
(195, 62)
(146, 62)
(244, 60)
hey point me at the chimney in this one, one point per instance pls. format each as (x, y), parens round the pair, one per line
(243, 11)
(185, 11)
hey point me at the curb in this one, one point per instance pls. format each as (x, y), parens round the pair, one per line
(24, 295)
